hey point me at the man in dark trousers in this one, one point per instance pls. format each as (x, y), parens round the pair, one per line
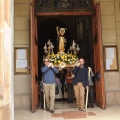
(69, 85)
(49, 84)
(80, 81)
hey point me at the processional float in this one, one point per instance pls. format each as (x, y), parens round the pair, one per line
(61, 59)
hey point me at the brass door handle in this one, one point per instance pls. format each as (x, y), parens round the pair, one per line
(28, 68)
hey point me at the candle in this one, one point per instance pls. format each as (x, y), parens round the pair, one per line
(78, 48)
(45, 47)
(73, 43)
(48, 42)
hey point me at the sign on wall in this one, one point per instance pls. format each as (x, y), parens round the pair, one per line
(21, 61)
(110, 58)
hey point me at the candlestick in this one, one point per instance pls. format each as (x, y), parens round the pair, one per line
(45, 47)
(48, 43)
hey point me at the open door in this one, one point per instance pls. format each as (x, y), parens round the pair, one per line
(98, 58)
(34, 58)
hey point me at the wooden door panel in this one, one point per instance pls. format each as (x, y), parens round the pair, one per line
(98, 58)
(34, 59)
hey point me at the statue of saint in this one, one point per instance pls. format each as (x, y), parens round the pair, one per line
(61, 39)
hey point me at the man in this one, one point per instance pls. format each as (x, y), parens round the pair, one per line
(69, 85)
(80, 74)
(49, 84)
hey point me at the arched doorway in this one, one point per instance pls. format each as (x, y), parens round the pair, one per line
(96, 31)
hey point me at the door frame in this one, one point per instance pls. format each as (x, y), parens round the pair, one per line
(91, 13)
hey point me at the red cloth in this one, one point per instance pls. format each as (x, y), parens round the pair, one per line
(69, 74)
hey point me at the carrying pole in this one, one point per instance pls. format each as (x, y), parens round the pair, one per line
(44, 99)
(86, 99)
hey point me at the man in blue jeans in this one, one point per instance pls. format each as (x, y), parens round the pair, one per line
(49, 84)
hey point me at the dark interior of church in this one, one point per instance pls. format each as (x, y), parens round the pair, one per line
(79, 29)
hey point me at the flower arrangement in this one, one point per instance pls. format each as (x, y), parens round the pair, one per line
(67, 58)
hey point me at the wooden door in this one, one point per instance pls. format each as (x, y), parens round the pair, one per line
(34, 58)
(98, 58)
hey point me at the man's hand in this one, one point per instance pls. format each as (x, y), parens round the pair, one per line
(73, 75)
(87, 87)
(50, 65)
(90, 68)
(77, 64)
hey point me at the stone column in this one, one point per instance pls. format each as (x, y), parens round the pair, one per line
(6, 60)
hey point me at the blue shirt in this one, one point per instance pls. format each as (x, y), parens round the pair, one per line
(49, 74)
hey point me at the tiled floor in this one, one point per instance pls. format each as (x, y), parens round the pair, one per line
(65, 111)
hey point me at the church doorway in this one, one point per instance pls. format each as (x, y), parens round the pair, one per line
(84, 29)
(79, 29)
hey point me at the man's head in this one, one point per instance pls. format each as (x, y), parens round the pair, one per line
(82, 61)
(46, 61)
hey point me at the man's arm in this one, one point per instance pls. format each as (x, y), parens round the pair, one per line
(55, 70)
(44, 69)
(75, 70)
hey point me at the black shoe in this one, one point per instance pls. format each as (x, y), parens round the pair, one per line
(88, 106)
(52, 111)
(83, 110)
(47, 109)
(92, 106)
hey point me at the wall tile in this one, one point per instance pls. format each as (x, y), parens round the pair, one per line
(105, 0)
(107, 8)
(117, 97)
(21, 23)
(110, 98)
(22, 9)
(26, 101)
(21, 37)
(108, 22)
(22, 84)
(109, 36)
(21, 1)
(118, 42)
(119, 56)
(17, 101)
(112, 81)
(117, 10)
(118, 28)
